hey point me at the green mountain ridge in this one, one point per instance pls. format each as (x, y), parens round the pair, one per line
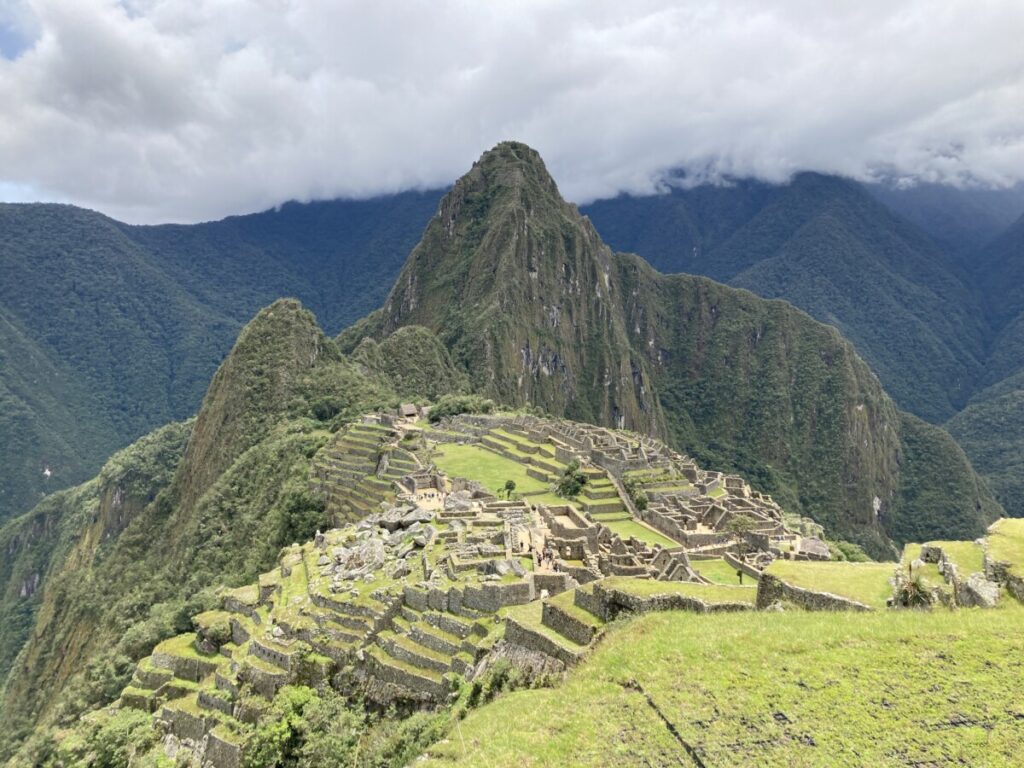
(122, 561)
(823, 244)
(72, 399)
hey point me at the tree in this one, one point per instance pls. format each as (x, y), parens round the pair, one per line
(510, 486)
(572, 481)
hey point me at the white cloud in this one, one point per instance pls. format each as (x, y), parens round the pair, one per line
(155, 110)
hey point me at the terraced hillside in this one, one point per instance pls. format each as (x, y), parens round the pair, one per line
(440, 577)
(356, 471)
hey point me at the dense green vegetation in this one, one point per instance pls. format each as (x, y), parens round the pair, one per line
(826, 246)
(792, 689)
(961, 220)
(917, 314)
(519, 302)
(454, 404)
(107, 330)
(991, 431)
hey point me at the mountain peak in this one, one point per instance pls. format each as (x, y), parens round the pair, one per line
(254, 385)
(509, 168)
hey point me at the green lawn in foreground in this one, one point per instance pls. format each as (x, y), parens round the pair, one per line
(867, 583)
(1006, 543)
(888, 689)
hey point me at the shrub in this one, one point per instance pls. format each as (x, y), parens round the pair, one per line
(453, 405)
(571, 482)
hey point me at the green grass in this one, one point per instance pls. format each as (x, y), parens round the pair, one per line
(566, 602)
(1006, 543)
(486, 467)
(295, 585)
(627, 528)
(551, 500)
(887, 690)
(867, 583)
(184, 646)
(709, 593)
(718, 572)
(967, 556)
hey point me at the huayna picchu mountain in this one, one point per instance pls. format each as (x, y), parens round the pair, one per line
(537, 310)
(510, 295)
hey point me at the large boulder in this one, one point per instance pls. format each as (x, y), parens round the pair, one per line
(979, 591)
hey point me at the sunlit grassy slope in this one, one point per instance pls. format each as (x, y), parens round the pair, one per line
(868, 583)
(792, 689)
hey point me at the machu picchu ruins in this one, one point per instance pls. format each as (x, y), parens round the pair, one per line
(451, 551)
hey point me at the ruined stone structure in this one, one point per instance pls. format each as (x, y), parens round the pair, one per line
(428, 578)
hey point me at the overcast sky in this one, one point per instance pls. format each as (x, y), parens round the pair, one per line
(184, 110)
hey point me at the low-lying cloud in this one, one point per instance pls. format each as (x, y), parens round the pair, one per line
(157, 110)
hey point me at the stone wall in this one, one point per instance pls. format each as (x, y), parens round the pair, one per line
(517, 634)
(264, 682)
(567, 625)
(210, 700)
(184, 668)
(270, 655)
(492, 597)
(590, 601)
(771, 589)
(999, 572)
(739, 565)
(554, 583)
(406, 679)
(222, 753)
(616, 601)
(183, 724)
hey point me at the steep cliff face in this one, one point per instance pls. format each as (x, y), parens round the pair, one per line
(537, 310)
(54, 557)
(743, 377)
(254, 386)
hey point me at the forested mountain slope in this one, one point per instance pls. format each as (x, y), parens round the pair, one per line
(510, 292)
(109, 330)
(824, 244)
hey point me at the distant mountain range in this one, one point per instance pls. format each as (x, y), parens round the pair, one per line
(108, 330)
